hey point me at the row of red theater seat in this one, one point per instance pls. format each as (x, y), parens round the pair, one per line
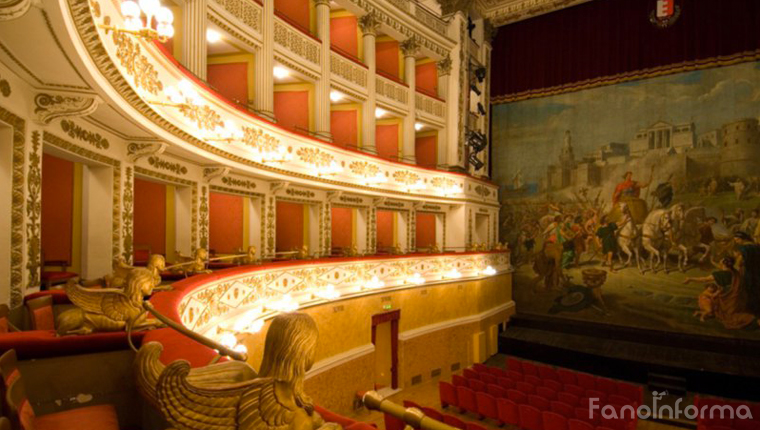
(393, 423)
(507, 409)
(715, 420)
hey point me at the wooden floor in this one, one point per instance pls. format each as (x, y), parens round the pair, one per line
(426, 394)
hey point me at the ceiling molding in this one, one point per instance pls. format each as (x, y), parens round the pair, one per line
(503, 12)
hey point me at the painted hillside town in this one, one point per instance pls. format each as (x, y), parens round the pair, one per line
(649, 214)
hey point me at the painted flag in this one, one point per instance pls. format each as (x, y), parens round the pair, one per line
(665, 8)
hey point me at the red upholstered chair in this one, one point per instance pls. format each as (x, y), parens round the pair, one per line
(576, 424)
(473, 426)
(508, 412)
(5, 324)
(5, 424)
(740, 424)
(614, 424)
(554, 421)
(476, 385)
(567, 377)
(554, 385)
(496, 390)
(506, 383)
(538, 402)
(480, 368)
(706, 420)
(562, 408)
(48, 278)
(101, 417)
(530, 418)
(393, 423)
(586, 381)
(529, 368)
(525, 387)
(515, 376)
(585, 414)
(546, 393)
(454, 422)
(608, 386)
(447, 394)
(457, 380)
(514, 365)
(517, 396)
(470, 374)
(633, 392)
(488, 378)
(533, 380)
(617, 399)
(432, 413)
(569, 398)
(596, 394)
(487, 406)
(411, 404)
(546, 372)
(466, 399)
(41, 313)
(495, 371)
(576, 390)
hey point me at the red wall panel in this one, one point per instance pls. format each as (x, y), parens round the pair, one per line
(231, 80)
(387, 58)
(344, 127)
(342, 227)
(291, 108)
(290, 226)
(150, 216)
(384, 229)
(426, 151)
(57, 208)
(426, 79)
(344, 34)
(386, 140)
(297, 11)
(425, 230)
(225, 222)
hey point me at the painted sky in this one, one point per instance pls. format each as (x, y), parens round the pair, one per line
(528, 135)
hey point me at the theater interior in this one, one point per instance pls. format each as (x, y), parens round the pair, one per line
(379, 214)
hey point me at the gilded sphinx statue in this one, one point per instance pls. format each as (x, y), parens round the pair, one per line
(192, 265)
(230, 396)
(121, 270)
(111, 309)
(248, 258)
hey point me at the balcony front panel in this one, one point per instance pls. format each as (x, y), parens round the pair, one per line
(349, 73)
(430, 108)
(293, 43)
(392, 93)
(246, 12)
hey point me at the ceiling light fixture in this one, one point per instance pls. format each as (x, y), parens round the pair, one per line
(380, 112)
(213, 36)
(418, 126)
(281, 72)
(336, 96)
(134, 24)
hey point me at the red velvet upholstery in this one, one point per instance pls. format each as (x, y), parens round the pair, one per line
(615, 423)
(553, 421)
(488, 378)
(546, 372)
(585, 414)
(525, 387)
(585, 381)
(448, 394)
(576, 424)
(411, 404)
(454, 422)
(43, 318)
(476, 385)
(393, 423)
(608, 386)
(473, 426)
(617, 399)
(575, 389)
(59, 296)
(596, 394)
(538, 402)
(466, 399)
(470, 374)
(554, 385)
(530, 418)
(529, 368)
(747, 424)
(432, 413)
(506, 383)
(480, 368)
(562, 408)
(514, 365)
(496, 391)
(44, 343)
(495, 371)
(533, 380)
(487, 406)
(331, 417)
(4, 326)
(567, 377)
(569, 398)
(515, 376)
(101, 417)
(631, 391)
(508, 412)
(517, 396)
(457, 380)
(546, 393)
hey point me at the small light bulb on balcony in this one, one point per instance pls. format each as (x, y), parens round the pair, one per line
(280, 72)
(285, 304)
(133, 24)
(489, 271)
(229, 340)
(130, 9)
(453, 274)
(418, 126)
(165, 16)
(165, 31)
(150, 7)
(255, 326)
(213, 36)
(336, 96)
(380, 112)
(416, 279)
(374, 283)
(328, 293)
(240, 348)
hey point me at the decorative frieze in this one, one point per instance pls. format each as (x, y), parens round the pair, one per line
(127, 215)
(77, 132)
(34, 211)
(171, 166)
(238, 182)
(52, 106)
(136, 151)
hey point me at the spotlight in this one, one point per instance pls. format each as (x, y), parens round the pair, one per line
(336, 96)
(474, 88)
(380, 112)
(281, 72)
(213, 36)
(480, 73)
(418, 126)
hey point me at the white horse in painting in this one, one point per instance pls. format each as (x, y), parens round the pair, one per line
(629, 240)
(658, 236)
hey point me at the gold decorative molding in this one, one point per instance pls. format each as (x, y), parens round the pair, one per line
(5, 88)
(212, 172)
(12, 9)
(34, 211)
(144, 75)
(138, 150)
(49, 107)
(170, 166)
(315, 157)
(127, 215)
(76, 132)
(444, 66)
(203, 216)
(17, 205)
(406, 177)
(238, 182)
(503, 12)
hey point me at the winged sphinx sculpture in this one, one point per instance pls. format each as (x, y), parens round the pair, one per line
(230, 396)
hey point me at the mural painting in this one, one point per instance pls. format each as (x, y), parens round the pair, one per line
(637, 204)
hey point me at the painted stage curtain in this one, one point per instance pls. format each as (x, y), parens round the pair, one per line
(613, 40)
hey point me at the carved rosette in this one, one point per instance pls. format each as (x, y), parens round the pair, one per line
(48, 107)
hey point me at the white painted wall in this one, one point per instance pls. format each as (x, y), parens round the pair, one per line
(6, 177)
(97, 221)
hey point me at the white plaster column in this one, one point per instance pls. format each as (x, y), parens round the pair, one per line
(264, 78)
(444, 71)
(322, 93)
(6, 201)
(369, 24)
(194, 37)
(457, 97)
(410, 48)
